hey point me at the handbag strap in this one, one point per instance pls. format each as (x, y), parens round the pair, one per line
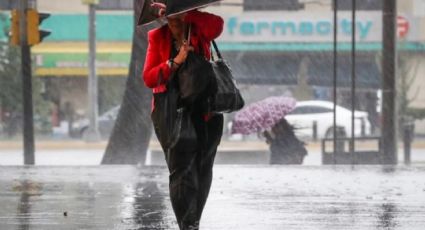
(217, 51)
(189, 32)
(212, 55)
(188, 36)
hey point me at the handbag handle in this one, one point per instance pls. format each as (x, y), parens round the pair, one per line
(189, 31)
(217, 51)
(188, 36)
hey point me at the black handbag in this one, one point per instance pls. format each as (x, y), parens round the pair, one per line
(195, 77)
(165, 114)
(171, 120)
(227, 97)
(208, 81)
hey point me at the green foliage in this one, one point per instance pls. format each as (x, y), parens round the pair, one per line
(407, 91)
(111, 91)
(10, 82)
(416, 113)
(11, 86)
(407, 73)
(4, 26)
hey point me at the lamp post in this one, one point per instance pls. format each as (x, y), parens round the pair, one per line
(92, 133)
(389, 115)
(28, 123)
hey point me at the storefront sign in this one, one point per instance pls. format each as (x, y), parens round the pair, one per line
(403, 26)
(66, 64)
(302, 27)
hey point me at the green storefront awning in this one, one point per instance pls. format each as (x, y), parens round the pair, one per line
(65, 51)
(71, 59)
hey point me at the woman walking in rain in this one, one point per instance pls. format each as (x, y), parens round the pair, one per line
(190, 163)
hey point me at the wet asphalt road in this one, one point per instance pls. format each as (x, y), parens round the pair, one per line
(242, 197)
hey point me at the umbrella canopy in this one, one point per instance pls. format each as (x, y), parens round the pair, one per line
(180, 6)
(148, 14)
(262, 115)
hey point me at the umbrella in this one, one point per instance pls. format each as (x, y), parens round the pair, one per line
(262, 115)
(180, 6)
(149, 14)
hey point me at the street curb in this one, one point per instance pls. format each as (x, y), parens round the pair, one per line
(154, 145)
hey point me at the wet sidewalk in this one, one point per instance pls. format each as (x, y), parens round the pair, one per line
(229, 152)
(242, 197)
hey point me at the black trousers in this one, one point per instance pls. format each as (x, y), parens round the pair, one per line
(190, 165)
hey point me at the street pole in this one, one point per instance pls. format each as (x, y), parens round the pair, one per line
(28, 122)
(335, 76)
(93, 130)
(353, 80)
(389, 115)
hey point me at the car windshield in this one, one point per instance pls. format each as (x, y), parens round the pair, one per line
(310, 110)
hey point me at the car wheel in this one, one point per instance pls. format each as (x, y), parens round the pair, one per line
(84, 132)
(340, 132)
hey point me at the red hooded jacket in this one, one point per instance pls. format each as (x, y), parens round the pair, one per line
(205, 28)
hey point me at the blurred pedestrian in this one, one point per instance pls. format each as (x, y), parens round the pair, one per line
(69, 113)
(285, 147)
(373, 116)
(190, 163)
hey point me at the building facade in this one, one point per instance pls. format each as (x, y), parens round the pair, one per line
(279, 45)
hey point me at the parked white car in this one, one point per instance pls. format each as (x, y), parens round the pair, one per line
(306, 113)
(106, 123)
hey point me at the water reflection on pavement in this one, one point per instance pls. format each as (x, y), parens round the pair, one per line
(242, 197)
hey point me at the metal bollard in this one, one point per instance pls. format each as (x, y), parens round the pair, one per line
(340, 142)
(363, 127)
(408, 129)
(315, 131)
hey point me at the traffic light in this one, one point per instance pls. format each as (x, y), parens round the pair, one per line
(34, 34)
(14, 28)
(34, 20)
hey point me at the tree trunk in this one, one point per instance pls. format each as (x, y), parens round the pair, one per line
(131, 134)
